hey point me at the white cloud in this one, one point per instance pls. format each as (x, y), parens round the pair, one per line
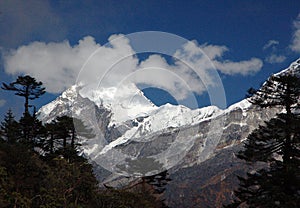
(178, 79)
(193, 53)
(58, 65)
(274, 59)
(243, 67)
(271, 43)
(2, 102)
(55, 64)
(295, 45)
(212, 51)
(192, 68)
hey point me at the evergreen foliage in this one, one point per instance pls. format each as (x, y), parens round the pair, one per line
(27, 87)
(277, 145)
(10, 128)
(32, 129)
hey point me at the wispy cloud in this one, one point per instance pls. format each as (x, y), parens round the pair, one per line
(275, 59)
(243, 67)
(295, 45)
(216, 54)
(2, 102)
(58, 65)
(270, 44)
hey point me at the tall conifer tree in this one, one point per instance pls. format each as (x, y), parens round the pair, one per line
(27, 87)
(10, 128)
(276, 144)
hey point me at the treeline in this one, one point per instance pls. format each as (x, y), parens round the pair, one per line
(40, 165)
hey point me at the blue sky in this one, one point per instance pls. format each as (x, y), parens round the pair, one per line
(251, 31)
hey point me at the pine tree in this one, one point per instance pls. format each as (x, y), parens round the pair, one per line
(30, 89)
(50, 137)
(32, 129)
(27, 87)
(65, 130)
(10, 128)
(276, 145)
(62, 135)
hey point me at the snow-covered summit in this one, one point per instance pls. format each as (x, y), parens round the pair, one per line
(130, 126)
(126, 114)
(47, 112)
(126, 102)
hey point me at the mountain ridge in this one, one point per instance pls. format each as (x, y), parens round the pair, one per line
(212, 137)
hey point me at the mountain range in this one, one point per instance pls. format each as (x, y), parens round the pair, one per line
(134, 137)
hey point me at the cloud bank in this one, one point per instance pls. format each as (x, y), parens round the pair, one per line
(59, 64)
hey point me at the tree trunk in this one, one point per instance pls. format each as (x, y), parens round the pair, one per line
(27, 100)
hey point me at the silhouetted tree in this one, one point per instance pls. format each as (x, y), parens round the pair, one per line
(70, 128)
(27, 87)
(10, 128)
(276, 144)
(50, 137)
(278, 90)
(65, 129)
(32, 129)
(63, 133)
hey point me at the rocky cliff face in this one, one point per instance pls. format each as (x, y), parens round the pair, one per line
(197, 147)
(209, 182)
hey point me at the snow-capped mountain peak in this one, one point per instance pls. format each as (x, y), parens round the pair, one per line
(121, 114)
(129, 127)
(126, 102)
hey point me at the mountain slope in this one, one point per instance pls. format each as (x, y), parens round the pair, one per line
(197, 146)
